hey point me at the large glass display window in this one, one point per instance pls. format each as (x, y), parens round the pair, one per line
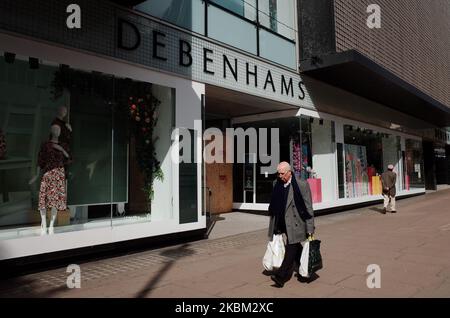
(363, 153)
(307, 144)
(367, 154)
(316, 157)
(414, 168)
(392, 155)
(251, 186)
(81, 149)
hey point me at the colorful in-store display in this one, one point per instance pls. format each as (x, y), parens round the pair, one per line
(316, 189)
(357, 178)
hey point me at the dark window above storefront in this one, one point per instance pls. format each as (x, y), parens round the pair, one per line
(358, 74)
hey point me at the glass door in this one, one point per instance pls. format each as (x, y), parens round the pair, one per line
(249, 178)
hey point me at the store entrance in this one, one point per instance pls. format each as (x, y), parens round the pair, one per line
(230, 182)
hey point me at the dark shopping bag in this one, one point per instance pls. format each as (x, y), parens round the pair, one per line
(315, 258)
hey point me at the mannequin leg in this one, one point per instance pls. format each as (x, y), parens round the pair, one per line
(43, 221)
(52, 221)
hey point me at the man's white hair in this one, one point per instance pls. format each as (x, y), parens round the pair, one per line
(285, 166)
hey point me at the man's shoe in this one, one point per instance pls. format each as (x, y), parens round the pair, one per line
(384, 211)
(267, 273)
(394, 211)
(302, 279)
(278, 282)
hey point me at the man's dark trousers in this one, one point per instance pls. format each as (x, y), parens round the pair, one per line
(292, 251)
(291, 260)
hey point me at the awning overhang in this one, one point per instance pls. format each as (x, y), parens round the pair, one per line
(355, 73)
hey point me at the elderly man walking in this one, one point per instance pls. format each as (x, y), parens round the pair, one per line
(388, 180)
(291, 213)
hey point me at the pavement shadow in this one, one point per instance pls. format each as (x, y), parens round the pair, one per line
(377, 209)
(176, 254)
(29, 288)
(212, 222)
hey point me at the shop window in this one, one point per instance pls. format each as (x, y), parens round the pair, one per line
(341, 170)
(367, 155)
(260, 190)
(308, 145)
(89, 134)
(414, 168)
(392, 156)
(363, 161)
(318, 161)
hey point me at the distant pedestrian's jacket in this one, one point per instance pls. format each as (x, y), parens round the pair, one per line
(388, 180)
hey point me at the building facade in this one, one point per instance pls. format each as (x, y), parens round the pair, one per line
(136, 71)
(403, 63)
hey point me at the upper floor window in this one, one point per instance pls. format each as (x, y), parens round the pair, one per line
(188, 14)
(265, 28)
(278, 16)
(244, 8)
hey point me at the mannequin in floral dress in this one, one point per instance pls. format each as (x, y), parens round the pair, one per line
(52, 192)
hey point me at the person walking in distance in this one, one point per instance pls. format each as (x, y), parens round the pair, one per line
(388, 179)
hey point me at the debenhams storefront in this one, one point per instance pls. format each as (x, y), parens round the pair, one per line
(86, 122)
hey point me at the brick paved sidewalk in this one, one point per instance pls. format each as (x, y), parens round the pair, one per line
(411, 248)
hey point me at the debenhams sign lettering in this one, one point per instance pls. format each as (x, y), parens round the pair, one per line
(284, 85)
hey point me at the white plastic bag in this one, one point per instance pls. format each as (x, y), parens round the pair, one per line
(273, 258)
(304, 260)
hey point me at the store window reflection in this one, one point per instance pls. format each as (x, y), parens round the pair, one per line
(250, 186)
(363, 161)
(37, 153)
(367, 154)
(414, 174)
(76, 147)
(307, 144)
(392, 155)
(314, 157)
